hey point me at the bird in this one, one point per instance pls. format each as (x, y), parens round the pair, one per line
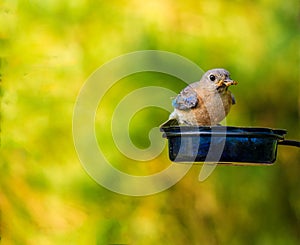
(204, 103)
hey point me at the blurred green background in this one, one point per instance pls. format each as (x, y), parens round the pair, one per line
(47, 51)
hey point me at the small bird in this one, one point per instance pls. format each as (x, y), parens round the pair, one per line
(204, 103)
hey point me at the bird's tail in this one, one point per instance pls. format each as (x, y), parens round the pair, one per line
(169, 123)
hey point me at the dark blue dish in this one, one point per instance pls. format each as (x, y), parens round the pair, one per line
(223, 144)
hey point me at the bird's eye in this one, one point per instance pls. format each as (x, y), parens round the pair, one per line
(212, 77)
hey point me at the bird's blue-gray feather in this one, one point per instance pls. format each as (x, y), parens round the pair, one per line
(187, 99)
(233, 99)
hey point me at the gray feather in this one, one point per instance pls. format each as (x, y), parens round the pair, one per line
(186, 100)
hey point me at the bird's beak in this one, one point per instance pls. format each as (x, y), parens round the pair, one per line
(227, 83)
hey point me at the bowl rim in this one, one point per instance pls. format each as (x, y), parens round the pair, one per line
(223, 131)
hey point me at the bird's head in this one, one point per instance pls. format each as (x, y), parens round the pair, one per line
(218, 79)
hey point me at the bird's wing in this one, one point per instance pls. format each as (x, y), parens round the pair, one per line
(233, 99)
(187, 99)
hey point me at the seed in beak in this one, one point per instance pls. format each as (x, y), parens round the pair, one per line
(220, 83)
(230, 82)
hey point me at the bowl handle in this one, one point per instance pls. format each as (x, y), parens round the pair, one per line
(289, 142)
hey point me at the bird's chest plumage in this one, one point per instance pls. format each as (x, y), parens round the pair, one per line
(212, 107)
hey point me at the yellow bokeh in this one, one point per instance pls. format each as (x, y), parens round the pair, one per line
(48, 49)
